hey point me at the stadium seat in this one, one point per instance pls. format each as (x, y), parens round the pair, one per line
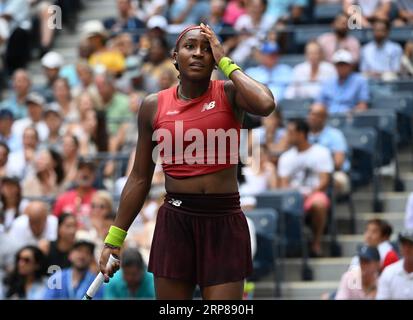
(385, 123)
(326, 12)
(363, 146)
(289, 205)
(266, 258)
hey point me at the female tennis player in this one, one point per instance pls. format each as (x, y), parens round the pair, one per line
(201, 235)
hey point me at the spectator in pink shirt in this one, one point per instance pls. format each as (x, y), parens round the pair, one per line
(234, 10)
(360, 283)
(339, 39)
(79, 200)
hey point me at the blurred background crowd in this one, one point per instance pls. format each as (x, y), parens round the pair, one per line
(68, 128)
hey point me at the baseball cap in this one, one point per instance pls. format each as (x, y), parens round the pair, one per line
(269, 48)
(92, 28)
(342, 56)
(368, 253)
(83, 238)
(157, 22)
(6, 114)
(35, 98)
(52, 60)
(53, 108)
(406, 235)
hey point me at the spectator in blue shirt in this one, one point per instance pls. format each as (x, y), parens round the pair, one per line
(334, 140)
(275, 76)
(72, 283)
(12, 140)
(16, 102)
(381, 58)
(349, 91)
(126, 20)
(132, 281)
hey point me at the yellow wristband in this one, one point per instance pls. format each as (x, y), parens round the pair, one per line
(227, 66)
(116, 236)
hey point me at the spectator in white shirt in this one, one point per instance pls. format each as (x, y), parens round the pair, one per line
(307, 76)
(35, 103)
(21, 163)
(35, 225)
(396, 281)
(308, 168)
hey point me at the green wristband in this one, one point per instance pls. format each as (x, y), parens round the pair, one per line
(227, 66)
(116, 236)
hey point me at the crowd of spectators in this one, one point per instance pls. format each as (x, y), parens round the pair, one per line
(67, 141)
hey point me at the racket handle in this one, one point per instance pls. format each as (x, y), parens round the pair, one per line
(94, 287)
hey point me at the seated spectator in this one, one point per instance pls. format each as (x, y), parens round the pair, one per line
(251, 27)
(79, 200)
(396, 281)
(407, 61)
(52, 63)
(222, 29)
(408, 219)
(149, 8)
(12, 140)
(234, 10)
(307, 168)
(27, 279)
(12, 202)
(35, 104)
(405, 13)
(287, 11)
(331, 42)
(188, 11)
(21, 163)
(15, 15)
(54, 122)
(308, 76)
(276, 76)
(381, 58)
(16, 102)
(132, 281)
(76, 279)
(63, 100)
(86, 85)
(115, 104)
(102, 57)
(4, 156)
(47, 177)
(370, 10)
(70, 155)
(126, 21)
(259, 177)
(92, 133)
(57, 252)
(35, 225)
(377, 234)
(85, 102)
(158, 61)
(349, 91)
(334, 140)
(360, 283)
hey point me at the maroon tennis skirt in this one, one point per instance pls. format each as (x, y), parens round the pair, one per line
(201, 238)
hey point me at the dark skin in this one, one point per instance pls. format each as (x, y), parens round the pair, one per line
(245, 94)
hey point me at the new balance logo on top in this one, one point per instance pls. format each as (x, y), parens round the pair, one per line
(171, 113)
(208, 106)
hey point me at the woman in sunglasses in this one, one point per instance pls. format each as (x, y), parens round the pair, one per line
(27, 279)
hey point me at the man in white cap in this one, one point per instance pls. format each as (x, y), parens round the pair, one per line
(102, 58)
(52, 62)
(349, 91)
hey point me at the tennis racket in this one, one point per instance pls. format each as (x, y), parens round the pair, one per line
(94, 287)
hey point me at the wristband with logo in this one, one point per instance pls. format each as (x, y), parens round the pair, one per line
(115, 237)
(227, 66)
